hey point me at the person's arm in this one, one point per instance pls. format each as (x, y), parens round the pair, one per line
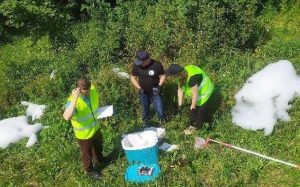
(194, 96)
(134, 77)
(193, 83)
(180, 96)
(135, 82)
(162, 79)
(70, 110)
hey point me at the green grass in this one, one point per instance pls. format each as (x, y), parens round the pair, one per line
(55, 161)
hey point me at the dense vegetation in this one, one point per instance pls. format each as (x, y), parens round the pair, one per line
(230, 39)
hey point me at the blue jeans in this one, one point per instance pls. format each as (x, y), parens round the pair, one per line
(146, 100)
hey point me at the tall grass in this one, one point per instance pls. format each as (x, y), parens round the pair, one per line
(26, 65)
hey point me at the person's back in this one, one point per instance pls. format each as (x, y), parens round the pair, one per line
(196, 76)
(197, 86)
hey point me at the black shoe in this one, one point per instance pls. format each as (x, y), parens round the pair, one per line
(103, 163)
(94, 175)
(106, 160)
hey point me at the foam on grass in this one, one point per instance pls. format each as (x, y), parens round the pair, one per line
(34, 111)
(16, 128)
(264, 99)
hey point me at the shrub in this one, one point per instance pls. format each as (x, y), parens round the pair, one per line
(117, 91)
(30, 16)
(29, 60)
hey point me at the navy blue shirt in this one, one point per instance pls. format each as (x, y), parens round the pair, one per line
(148, 76)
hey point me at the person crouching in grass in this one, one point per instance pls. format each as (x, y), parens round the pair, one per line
(195, 85)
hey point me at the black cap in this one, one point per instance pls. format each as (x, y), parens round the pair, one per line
(173, 69)
(141, 56)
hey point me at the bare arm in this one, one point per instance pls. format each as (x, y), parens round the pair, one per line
(180, 96)
(194, 96)
(162, 79)
(70, 110)
(135, 82)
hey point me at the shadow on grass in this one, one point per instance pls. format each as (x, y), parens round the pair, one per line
(118, 151)
(212, 107)
(170, 105)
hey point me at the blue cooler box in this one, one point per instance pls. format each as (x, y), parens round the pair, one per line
(132, 174)
(145, 156)
(141, 151)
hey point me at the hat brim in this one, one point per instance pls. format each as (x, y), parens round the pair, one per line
(167, 73)
(138, 62)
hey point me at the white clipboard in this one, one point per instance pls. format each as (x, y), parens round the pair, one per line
(105, 111)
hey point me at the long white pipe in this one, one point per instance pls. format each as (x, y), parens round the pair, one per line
(255, 153)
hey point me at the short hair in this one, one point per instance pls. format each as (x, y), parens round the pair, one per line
(84, 83)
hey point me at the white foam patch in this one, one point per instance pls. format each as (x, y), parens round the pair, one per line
(17, 128)
(121, 74)
(53, 74)
(32, 140)
(264, 99)
(34, 110)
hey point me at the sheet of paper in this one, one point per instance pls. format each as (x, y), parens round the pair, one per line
(168, 147)
(105, 111)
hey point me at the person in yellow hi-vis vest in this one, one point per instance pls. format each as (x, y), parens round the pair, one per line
(82, 110)
(195, 85)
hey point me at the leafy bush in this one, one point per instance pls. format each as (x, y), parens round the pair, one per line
(31, 15)
(29, 60)
(95, 46)
(26, 74)
(211, 34)
(117, 91)
(172, 28)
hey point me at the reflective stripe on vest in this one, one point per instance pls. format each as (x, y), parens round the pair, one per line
(89, 116)
(205, 89)
(84, 119)
(93, 124)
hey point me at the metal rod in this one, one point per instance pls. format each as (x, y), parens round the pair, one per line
(255, 153)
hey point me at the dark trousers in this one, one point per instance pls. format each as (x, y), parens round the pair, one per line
(89, 149)
(146, 100)
(199, 115)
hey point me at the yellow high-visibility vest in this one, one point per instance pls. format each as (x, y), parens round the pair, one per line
(84, 120)
(205, 89)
